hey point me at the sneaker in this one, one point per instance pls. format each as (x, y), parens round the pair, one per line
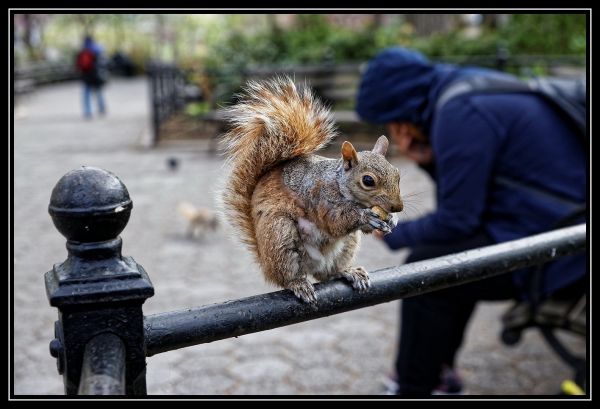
(451, 384)
(390, 385)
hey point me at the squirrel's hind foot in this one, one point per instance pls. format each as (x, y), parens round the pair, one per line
(359, 278)
(304, 290)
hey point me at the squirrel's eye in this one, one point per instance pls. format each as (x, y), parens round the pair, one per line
(368, 181)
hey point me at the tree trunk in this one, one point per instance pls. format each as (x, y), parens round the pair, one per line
(29, 23)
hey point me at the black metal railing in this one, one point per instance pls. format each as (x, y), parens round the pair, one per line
(96, 290)
(178, 329)
(103, 368)
(165, 83)
(169, 92)
(100, 293)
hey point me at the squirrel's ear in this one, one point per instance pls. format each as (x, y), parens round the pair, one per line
(349, 155)
(381, 145)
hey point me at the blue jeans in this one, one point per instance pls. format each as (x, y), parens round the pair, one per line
(87, 99)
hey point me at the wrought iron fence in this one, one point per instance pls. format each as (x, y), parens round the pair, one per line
(103, 338)
(169, 92)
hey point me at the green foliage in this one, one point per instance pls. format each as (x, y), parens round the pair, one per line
(197, 108)
(456, 44)
(312, 39)
(546, 33)
(536, 34)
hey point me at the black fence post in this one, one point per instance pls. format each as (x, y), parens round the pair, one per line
(96, 290)
(154, 101)
(173, 88)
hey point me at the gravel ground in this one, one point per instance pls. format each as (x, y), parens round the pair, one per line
(345, 354)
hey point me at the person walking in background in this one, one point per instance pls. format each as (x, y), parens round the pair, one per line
(506, 165)
(91, 64)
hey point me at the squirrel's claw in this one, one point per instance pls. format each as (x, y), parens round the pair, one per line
(359, 278)
(304, 290)
(373, 220)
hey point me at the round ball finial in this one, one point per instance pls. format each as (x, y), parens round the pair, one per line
(89, 204)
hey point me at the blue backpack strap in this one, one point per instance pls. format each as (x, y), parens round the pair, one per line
(567, 94)
(481, 84)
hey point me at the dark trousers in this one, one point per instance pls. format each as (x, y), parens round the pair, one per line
(432, 325)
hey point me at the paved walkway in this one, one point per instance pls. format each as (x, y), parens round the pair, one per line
(343, 354)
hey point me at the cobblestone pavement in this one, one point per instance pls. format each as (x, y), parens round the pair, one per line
(343, 354)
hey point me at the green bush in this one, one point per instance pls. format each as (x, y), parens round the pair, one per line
(545, 34)
(456, 44)
(313, 40)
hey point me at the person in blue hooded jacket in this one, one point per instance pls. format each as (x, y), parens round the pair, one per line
(505, 165)
(92, 67)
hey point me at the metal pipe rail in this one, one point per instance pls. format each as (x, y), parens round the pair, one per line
(103, 369)
(178, 329)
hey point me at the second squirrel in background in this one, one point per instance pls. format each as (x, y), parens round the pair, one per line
(201, 220)
(299, 213)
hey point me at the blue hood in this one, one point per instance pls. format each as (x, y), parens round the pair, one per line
(402, 85)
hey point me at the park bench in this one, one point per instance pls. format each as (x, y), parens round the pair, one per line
(335, 84)
(32, 75)
(27, 78)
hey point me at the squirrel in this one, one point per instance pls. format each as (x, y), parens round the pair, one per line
(201, 220)
(299, 213)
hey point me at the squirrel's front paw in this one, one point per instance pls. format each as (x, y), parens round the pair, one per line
(304, 290)
(371, 221)
(359, 278)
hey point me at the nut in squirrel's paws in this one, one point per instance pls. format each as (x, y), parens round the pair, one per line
(383, 215)
(390, 218)
(374, 222)
(359, 278)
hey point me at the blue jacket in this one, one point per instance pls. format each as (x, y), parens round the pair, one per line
(505, 163)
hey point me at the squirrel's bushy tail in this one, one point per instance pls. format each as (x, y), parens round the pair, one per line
(273, 121)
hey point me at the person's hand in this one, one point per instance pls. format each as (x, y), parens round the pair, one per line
(378, 234)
